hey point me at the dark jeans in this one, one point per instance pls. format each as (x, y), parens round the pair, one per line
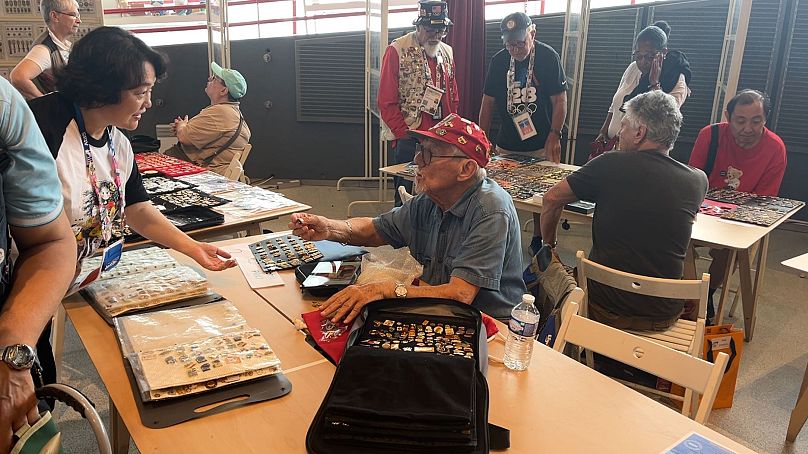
(404, 152)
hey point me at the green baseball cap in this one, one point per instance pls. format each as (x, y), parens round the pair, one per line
(233, 80)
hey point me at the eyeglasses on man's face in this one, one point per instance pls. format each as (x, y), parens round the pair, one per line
(427, 154)
(515, 44)
(71, 14)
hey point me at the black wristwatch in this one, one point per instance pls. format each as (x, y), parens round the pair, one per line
(18, 356)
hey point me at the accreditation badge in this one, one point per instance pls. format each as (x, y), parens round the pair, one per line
(524, 125)
(431, 101)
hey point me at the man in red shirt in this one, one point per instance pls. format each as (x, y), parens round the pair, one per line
(749, 158)
(417, 86)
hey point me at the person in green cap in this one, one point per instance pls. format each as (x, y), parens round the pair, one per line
(218, 132)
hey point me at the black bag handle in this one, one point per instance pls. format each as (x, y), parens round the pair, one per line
(708, 166)
(731, 356)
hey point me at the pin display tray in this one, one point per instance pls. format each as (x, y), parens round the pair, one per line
(186, 219)
(169, 412)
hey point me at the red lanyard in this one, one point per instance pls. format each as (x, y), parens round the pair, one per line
(104, 201)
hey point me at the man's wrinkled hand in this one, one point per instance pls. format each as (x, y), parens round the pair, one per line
(310, 227)
(346, 304)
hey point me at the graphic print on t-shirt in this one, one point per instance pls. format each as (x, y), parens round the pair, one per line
(87, 227)
(732, 177)
(523, 95)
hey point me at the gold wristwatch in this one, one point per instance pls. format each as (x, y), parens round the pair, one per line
(401, 290)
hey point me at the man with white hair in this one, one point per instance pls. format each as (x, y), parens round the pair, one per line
(462, 227)
(417, 86)
(33, 76)
(646, 206)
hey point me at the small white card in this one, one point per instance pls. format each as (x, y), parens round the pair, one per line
(524, 125)
(431, 102)
(109, 259)
(252, 270)
(694, 443)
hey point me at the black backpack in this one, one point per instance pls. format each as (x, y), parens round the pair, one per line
(403, 400)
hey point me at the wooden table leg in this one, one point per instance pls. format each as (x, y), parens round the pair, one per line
(756, 250)
(120, 434)
(730, 266)
(58, 323)
(253, 229)
(800, 412)
(690, 263)
(747, 294)
(760, 266)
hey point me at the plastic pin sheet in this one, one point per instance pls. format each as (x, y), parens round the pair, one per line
(144, 290)
(184, 351)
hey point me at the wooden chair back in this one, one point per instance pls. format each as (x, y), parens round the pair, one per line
(690, 372)
(643, 285)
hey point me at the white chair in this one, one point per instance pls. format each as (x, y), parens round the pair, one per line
(685, 336)
(405, 196)
(166, 136)
(245, 153)
(234, 170)
(695, 374)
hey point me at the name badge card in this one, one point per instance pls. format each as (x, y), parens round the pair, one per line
(431, 101)
(524, 125)
(109, 259)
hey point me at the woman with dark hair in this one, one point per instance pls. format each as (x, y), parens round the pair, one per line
(105, 86)
(654, 67)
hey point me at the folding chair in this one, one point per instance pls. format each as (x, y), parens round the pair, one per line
(696, 375)
(685, 336)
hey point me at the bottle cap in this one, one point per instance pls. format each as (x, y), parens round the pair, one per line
(528, 298)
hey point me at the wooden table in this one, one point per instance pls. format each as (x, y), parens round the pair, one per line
(800, 412)
(740, 239)
(558, 405)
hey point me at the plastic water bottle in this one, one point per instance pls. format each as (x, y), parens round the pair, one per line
(521, 334)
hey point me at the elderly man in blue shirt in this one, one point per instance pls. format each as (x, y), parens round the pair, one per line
(462, 227)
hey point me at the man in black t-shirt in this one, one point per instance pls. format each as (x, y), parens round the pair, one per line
(646, 206)
(527, 87)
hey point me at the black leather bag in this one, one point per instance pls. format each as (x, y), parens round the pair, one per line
(385, 399)
(142, 143)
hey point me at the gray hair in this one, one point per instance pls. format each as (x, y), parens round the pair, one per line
(480, 174)
(659, 113)
(48, 6)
